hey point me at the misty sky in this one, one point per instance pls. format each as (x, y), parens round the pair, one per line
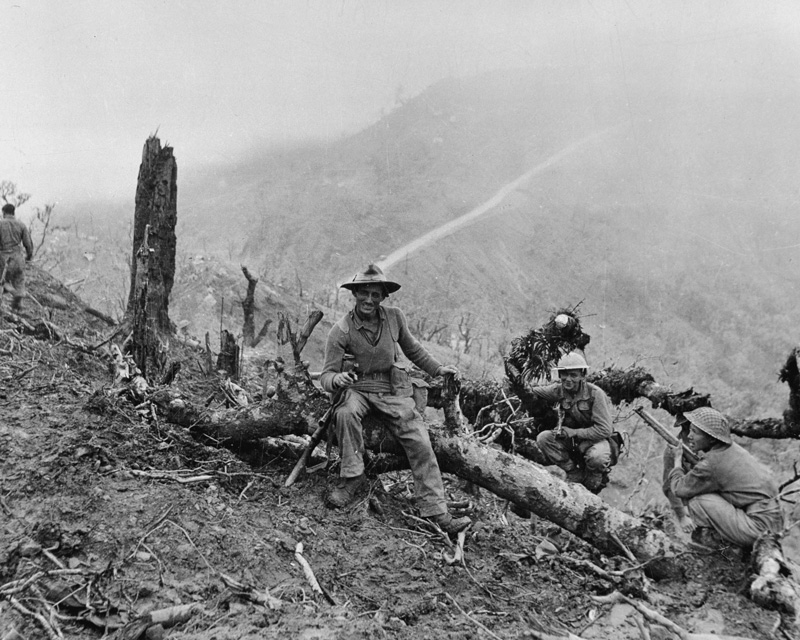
(85, 82)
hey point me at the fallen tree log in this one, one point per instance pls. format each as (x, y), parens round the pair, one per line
(622, 386)
(508, 476)
(568, 505)
(289, 411)
(773, 586)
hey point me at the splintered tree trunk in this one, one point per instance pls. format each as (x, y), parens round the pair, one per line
(228, 358)
(155, 218)
(149, 353)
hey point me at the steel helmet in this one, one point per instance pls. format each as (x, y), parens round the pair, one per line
(711, 422)
(571, 360)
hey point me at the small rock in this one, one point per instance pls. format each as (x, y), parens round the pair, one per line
(29, 548)
(156, 632)
(236, 608)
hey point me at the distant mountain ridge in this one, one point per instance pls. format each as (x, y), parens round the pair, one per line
(674, 232)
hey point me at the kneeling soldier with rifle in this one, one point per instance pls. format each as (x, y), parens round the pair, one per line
(369, 336)
(728, 490)
(581, 443)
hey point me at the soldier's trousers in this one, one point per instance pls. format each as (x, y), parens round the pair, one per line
(13, 262)
(596, 455)
(742, 527)
(407, 426)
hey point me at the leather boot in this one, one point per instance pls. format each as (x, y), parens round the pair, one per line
(575, 475)
(345, 491)
(450, 525)
(595, 481)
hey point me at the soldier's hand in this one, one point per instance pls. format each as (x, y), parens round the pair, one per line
(447, 368)
(344, 380)
(566, 432)
(686, 524)
(677, 453)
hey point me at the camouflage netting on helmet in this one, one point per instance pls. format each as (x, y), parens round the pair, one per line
(532, 355)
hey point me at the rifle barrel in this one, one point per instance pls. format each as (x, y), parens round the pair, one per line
(661, 430)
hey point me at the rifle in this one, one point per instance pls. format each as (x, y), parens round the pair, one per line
(671, 439)
(316, 438)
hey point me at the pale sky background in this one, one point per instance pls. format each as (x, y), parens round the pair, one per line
(85, 82)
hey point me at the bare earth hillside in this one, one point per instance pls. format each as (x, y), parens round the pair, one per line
(108, 513)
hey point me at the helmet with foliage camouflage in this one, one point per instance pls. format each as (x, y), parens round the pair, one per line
(711, 422)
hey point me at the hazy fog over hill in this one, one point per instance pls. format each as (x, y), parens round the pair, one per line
(674, 225)
(665, 138)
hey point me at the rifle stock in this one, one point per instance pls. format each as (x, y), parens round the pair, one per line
(661, 430)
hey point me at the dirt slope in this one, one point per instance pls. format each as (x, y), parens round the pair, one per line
(79, 495)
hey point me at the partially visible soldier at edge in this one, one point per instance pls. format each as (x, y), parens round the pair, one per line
(580, 444)
(728, 490)
(369, 336)
(14, 235)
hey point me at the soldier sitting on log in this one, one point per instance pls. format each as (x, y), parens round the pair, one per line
(728, 490)
(369, 336)
(582, 443)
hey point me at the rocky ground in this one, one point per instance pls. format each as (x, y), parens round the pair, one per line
(107, 514)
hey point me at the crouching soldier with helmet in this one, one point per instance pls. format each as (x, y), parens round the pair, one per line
(728, 490)
(369, 336)
(581, 444)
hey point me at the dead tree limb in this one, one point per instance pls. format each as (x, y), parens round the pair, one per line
(305, 333)
(248, 308)
(250, 338)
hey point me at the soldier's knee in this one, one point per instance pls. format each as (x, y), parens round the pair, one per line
(598, 457)
(545, 438)
(346, 413)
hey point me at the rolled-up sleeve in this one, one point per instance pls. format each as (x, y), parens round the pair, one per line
(412, 348)
(334, 355)
(544, 392)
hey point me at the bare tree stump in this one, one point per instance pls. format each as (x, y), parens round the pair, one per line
(153, 264)
(149, 352)
(156, 208)
(228, 357)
